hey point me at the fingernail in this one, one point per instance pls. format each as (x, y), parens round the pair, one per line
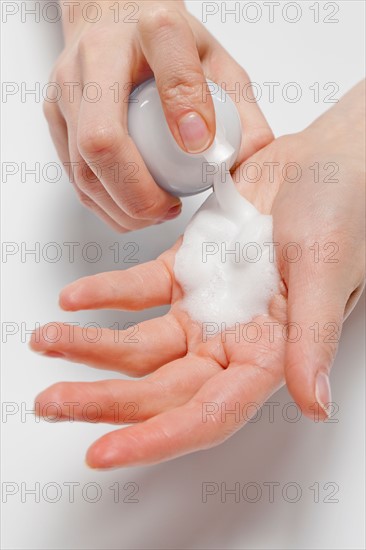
(173, 212)
(322, 391)
(194, 133)
(69, 296)
(109, 460)
(53, 354)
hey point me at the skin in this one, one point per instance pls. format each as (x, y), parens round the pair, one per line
(330, 214)
(167, 43)
(184, 371)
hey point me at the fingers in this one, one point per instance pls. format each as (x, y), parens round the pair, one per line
(316, 306)
(59, 134)
(88, 175)
(126, 401)
(170, 48)
(103, 140)
(202, 422)
(222, 69)
(63, 124)
(320, 228)
(140, 287)
(135, 351)
(106, 169)
(93, 192)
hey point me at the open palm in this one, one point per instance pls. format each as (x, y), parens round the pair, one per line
(194, 379)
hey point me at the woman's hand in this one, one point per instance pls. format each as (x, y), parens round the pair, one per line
(314, 185)
(101, 62)
(195, 380)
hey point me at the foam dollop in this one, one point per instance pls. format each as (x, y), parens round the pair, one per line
(226, 264)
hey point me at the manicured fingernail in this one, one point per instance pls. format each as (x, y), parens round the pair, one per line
(322, 391)
(173, 212)
(194, 133)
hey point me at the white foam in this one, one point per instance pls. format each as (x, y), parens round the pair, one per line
(215, 264)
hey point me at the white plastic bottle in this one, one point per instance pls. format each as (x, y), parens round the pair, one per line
(173, 169)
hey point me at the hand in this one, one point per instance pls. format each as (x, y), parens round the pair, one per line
(192, 380)
(121, 50)
(322, 211)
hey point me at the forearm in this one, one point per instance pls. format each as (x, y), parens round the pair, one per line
(342, 128)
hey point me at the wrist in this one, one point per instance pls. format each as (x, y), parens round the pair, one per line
(341, 130)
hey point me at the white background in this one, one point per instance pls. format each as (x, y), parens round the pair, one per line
(170, 512)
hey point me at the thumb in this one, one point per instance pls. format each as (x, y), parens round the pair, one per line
(316, 305)
(170, 49)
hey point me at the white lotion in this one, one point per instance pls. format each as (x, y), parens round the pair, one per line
(226, 263)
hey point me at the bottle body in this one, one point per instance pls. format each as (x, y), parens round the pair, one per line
(176, 171)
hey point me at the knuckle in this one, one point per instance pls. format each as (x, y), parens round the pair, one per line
(155, 18)
(86, 179)
(92, 39)
(97, 140)
(141, 208)
(86, 201)
(181, 90)
(61, 73)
